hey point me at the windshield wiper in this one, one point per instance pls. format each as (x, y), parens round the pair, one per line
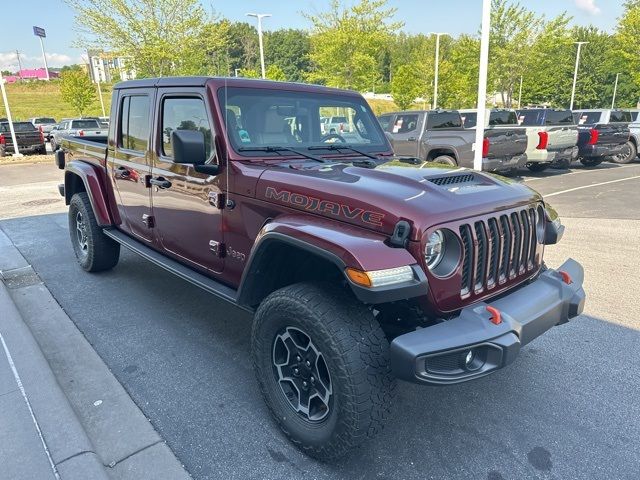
(335, 147)
(277, 149)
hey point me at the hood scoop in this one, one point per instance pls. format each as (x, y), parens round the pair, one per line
(448, 180)
(463, 183)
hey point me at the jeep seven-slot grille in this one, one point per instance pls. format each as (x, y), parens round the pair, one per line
(452, 179)
(497, 249)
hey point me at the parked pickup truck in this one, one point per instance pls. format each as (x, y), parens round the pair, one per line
(30, 139)
(553, 137)
(634, 130)
(46, 124)
(358, 268)
(439, 136)
(604, 134)
(76, 127)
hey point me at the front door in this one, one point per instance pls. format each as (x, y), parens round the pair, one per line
(129, 163)
(187, 208)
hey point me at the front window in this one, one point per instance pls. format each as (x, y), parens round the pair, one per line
(258, 118)
(186, 113)
(405, 123)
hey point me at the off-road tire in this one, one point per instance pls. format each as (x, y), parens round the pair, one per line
(563, 164)
(446, 160)
(631, 155)
(591, 162)
(538, 167)
(356, 353)
(98, 252)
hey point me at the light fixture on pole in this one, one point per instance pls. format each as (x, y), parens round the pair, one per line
(482, 84)
(615, 90)
(40, 33)
(575, 73)
(435, 80)
(260, 16)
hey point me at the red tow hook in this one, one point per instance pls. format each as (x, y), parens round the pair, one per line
(496, 318)
(566, 278)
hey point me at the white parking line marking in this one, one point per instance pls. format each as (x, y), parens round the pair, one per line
(574, 172)
(16, 376)
(589, 186)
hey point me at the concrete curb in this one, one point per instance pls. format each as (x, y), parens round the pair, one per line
(120, 439)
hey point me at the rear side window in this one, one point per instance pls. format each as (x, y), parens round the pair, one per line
(530, 118)
(444, 120)
(620, 116)
(405, 123)
(134, 123)
(588, 118)
(634, 116)
(559, 117)
(187, 113)
(503, 118)
(385, 120)
(469, 119)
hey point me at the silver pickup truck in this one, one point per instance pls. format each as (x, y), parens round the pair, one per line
(553, 137)
(634, 138)
(440, 136)
(77, 127)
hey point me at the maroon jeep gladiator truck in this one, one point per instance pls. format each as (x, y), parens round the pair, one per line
(360, 268)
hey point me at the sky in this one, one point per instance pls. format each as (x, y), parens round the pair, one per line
(419, 16)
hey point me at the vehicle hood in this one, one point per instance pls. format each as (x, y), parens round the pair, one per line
(377, 198)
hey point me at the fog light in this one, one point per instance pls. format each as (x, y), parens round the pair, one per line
(472, 359)
(468, 358)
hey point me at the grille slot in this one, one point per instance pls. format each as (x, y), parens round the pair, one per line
(453, 179)
(497, 249)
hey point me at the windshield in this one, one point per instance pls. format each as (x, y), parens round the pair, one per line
(18, 127)
(261, 118)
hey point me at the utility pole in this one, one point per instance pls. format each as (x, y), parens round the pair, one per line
(16, 150)
(575, 73)
(615, 90)
(19, 64)
(435, 80)
(482, 84)
(260, 16)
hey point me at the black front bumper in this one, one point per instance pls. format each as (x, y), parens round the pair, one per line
(439, 355)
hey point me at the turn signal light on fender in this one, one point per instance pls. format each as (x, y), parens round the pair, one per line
(380, 278)
(496, 317)
(566, 278)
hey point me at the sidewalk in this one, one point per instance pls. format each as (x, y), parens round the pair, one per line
(63, 415)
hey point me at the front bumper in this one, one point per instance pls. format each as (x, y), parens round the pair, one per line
(438, 355)
(504, 163)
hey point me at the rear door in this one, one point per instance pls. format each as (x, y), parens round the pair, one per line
(188, 209)
(129, 163)
(405, 133)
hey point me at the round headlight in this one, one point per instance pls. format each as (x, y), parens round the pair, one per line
(434, 249)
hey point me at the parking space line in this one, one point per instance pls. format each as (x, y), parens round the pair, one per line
(574, 172)
(589, 186)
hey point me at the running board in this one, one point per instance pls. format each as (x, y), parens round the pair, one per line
(178, 269)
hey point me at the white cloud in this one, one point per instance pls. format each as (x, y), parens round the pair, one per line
(588, 6)
(9, 60)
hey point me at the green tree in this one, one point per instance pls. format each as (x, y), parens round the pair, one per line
(158, 37)
(77, 90)
(346, 43)
(274, 72)
(288, 49)
(459, 75)
(627, 49)
(407, 84)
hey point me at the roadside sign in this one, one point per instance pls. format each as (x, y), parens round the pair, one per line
(39, 32)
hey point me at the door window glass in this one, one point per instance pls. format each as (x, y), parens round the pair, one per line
(184, 114)
(405, 123)
(620, 116)
(384, 120)
(444, 120)
(134, 123)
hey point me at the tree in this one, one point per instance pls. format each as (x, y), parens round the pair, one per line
(627, 48)
(288, 49)
(407, 84)
(459, 74)
(158, 37)
(346, 43)
(274, 72)
(77, 90)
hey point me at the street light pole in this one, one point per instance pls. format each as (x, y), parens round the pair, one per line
(16, 149)
(260, 16)
(575, 73)
(615, 90)
(44, 58)
(435, 80)
(482, 84)
(520, 94)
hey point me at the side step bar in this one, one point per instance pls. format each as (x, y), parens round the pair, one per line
(178, 269)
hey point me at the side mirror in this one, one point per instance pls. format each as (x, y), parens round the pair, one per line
(189, 148)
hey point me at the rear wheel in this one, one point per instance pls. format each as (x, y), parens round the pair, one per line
(563, 164)
(445, 159)
(322, 362)
(538, 167)
(94, 250)
(627, 155)
(590, 161)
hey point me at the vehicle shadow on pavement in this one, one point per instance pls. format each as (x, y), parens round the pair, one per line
(566, 408)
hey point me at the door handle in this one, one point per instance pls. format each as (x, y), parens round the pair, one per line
(411, 139)
(160, 182)
(122, 172)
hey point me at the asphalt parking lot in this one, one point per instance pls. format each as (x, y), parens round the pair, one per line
(566, 409)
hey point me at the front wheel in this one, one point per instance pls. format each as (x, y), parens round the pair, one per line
(627, 155)
(94, 250)
(590, 162)
(322, 362)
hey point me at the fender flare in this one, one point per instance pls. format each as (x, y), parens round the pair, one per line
(93, 179)
(343, 246)
(448, 150)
